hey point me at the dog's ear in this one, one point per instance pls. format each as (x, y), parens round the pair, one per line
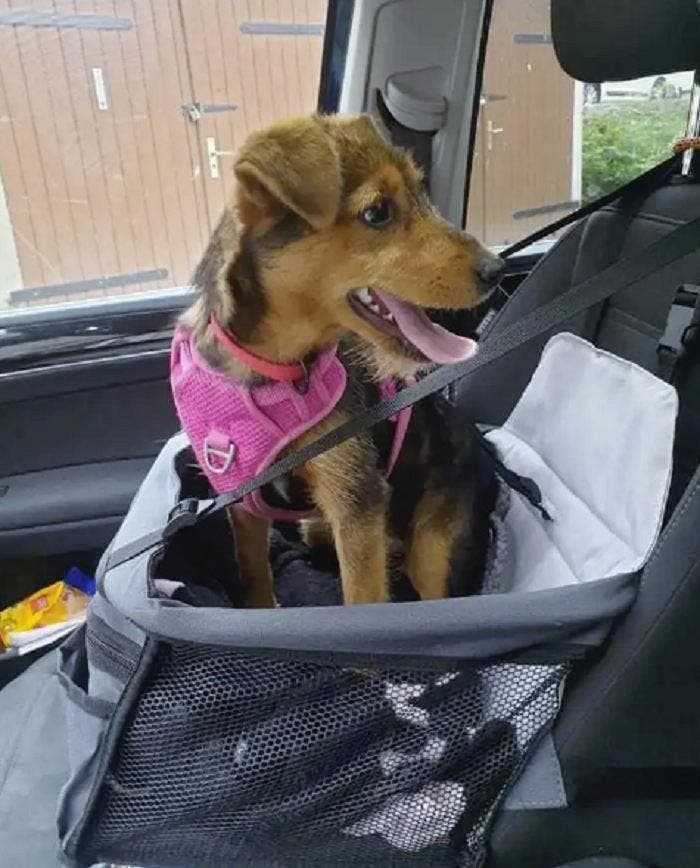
(293, 165)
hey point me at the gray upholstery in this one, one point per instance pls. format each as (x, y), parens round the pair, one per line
(638, 707)
(33, 766)
(633, 321)
(604, 862)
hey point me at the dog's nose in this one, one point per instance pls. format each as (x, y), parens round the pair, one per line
(491, 269)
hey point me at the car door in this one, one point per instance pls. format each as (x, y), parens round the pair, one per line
(119, 126)
(118, 129)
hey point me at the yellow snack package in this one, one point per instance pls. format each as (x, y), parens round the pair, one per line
(27, 614)
(51, 605)
(71, 602)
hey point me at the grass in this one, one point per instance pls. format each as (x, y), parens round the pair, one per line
(622, 140)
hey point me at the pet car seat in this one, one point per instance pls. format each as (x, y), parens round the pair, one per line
(203, 734)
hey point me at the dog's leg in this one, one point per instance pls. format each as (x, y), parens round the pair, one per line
(316, 533)
(353, 497)
(252, 547)
(360, 542)
(438, 522)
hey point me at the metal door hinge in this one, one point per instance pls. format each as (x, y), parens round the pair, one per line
(193, 111)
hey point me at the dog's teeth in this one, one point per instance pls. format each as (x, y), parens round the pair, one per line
(374, 307)
(388, 317)
(365, 296)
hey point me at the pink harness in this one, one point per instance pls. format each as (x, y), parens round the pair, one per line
(238, 430)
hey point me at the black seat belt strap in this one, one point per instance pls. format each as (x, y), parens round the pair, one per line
(525, 486)
(649, 180)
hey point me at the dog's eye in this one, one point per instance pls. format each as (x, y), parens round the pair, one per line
(378, 215)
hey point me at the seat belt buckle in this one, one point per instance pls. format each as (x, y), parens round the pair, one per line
(183, 514)
(691, 333)
(680, 317)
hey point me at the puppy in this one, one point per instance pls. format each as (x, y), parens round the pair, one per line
(332, 242)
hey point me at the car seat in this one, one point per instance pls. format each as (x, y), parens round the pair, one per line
(626, 744)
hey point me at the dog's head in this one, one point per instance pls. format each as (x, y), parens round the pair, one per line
(334, 235)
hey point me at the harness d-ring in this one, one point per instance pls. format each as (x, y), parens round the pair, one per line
(224, 457)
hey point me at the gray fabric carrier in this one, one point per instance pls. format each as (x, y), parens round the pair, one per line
(367, 735)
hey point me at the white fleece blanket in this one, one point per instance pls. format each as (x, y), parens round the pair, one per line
(596, 434)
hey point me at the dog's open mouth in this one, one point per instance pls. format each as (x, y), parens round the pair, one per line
(418, 336)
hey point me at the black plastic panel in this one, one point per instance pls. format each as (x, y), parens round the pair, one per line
(75, 441)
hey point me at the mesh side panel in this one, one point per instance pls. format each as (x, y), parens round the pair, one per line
(231, 759)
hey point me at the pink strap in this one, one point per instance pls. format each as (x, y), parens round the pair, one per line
(402, 419)
(272, 370)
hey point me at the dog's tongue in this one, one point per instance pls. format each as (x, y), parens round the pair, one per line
(434, 341)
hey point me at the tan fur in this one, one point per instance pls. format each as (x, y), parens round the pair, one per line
(359, 534)
(316, 533)
(437, 524)
(293, 165)
(295, 232)
(251, 535)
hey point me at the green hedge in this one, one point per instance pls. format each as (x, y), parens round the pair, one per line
(621, 140)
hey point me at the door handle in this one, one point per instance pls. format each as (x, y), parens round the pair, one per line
(213, 156)
(492, 131)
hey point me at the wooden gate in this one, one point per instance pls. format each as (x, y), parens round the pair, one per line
(523, 174)
(117, 126)
(247, 67)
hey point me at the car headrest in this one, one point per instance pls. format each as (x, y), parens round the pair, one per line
(615, 40)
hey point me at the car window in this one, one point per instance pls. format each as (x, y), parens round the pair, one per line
(118, 123)
(546, 144)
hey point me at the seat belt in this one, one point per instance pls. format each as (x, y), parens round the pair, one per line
(649, 180)
(542, 320)
(626, 195)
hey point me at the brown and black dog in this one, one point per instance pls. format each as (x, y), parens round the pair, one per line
(329, 222)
